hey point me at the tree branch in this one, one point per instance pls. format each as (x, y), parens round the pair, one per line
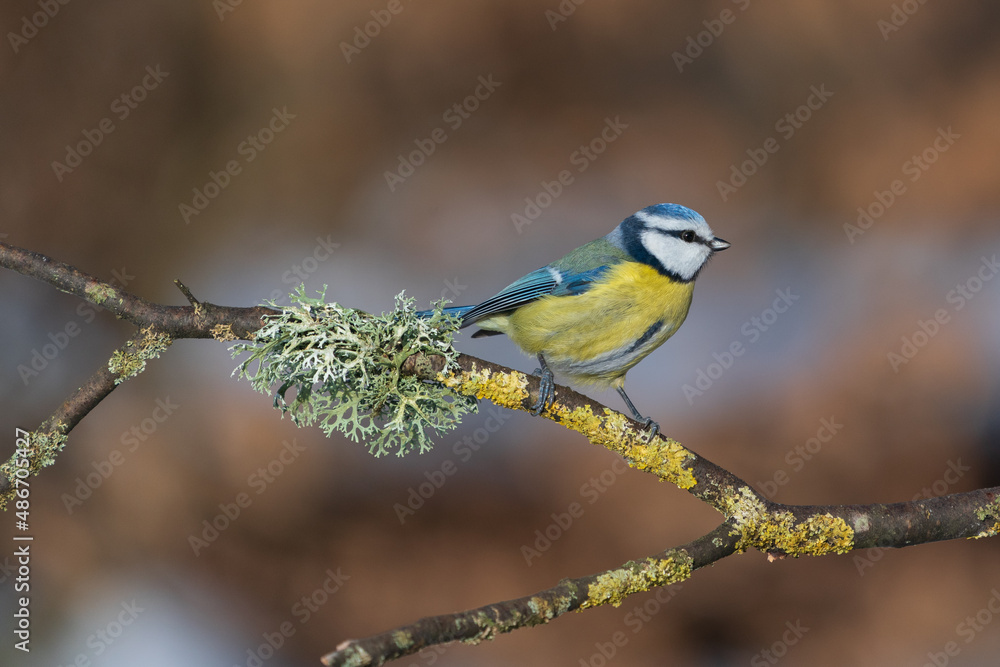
(751, 520)
(158, 325)
(53, 431)
(477, 625)
(202, 320)
(896, 525)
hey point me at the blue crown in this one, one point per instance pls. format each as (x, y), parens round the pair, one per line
(675, 211)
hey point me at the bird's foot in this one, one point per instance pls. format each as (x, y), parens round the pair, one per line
(647, 422)
(546, 388)
(652, 428)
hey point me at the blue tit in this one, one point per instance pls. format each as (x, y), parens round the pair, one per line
(598, 311)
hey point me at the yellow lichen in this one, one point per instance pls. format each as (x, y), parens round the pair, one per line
(223, 332)
(582, 420)
(130, 362)
(35, 451)
(508, 390)
(990, 511)
(816, 536)
(743, 505)
(666, 458)
(662, 456)
(991, 531)
(614, 586)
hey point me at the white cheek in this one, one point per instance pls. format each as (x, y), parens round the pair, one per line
(684, 259)
(663, 248)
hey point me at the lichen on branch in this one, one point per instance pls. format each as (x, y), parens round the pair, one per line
(131, 360)
(37, 450)
(344, 369)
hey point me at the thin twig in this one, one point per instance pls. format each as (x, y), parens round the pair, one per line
(186, 292)
(175, 321)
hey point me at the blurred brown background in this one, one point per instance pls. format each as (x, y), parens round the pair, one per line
(697, 90)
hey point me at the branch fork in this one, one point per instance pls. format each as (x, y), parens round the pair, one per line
(749, 519)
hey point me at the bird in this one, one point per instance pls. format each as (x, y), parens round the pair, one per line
(601, 309)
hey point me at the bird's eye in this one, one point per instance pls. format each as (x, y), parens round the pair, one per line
(688, 236)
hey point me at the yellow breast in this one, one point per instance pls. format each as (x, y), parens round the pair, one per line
(599, 335)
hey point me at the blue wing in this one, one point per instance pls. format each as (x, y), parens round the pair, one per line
(544, 281)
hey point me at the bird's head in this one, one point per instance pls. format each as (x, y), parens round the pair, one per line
(671, 238)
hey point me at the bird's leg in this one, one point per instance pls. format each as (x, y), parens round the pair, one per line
(648, 422)
(546, 387)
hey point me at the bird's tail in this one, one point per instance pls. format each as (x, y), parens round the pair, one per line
(454, 311)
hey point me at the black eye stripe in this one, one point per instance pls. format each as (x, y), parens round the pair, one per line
(678, 234)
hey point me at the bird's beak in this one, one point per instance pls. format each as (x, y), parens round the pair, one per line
(718, 244)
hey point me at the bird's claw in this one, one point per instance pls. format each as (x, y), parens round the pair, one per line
(652, 427)
(546, 389)
(647, 422)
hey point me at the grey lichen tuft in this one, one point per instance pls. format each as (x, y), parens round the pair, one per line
(344, 367)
